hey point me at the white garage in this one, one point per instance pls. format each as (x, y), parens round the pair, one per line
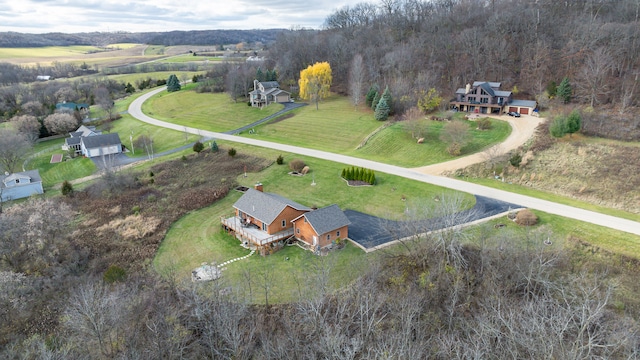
(100, 145)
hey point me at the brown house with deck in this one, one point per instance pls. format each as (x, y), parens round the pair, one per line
(263, 221)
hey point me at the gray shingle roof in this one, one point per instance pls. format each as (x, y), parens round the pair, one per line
(523, 103)
(503, 93)
(265, 206)
(270, 84)
(72, 141)
(494, 85)
(326, 219)
(33, 175)
(92, 142)
(488, 89)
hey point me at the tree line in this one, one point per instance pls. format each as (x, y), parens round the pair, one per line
(194, 37)
(414, 45)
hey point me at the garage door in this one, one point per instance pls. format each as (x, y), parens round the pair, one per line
(524, 110)
(513, 109)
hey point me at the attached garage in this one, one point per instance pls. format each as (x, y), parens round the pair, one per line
(99, 145)
(524, 107)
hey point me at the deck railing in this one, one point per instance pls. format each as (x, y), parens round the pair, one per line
(235, 224)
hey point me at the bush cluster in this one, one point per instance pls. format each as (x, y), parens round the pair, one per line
(297, 165)
(359, 174)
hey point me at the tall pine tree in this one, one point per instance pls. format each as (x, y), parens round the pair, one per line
(564, 90)
(382, 110)
(173, 84)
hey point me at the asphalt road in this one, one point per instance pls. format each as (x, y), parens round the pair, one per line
(633, 227)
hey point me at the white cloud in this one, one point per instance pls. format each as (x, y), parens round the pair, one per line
(38, 16)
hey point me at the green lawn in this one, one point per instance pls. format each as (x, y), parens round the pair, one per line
(56, 173)
(336, 126)
(154, 50)
(196, 238)
(214, 112)
(396, 146)
(156, 75)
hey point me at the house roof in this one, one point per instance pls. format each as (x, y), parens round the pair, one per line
(71, 105)
(265, 206)
(494, 85)
(487, 88)
(85, 131)
(502, 93)
(74, 140)
(269, 84)
(32, 175)
(523, 103)
(326, 219)
(91, 142)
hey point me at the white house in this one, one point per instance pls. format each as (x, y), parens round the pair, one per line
(100, 145)
(73, 142)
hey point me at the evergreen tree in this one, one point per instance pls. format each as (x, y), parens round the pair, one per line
(214, 146)
(375, 101)
(386, 95)
(574, 122)
(382, 110)
(259, 75)
(274, 75)
(173, 84)
(564, 90)
(552, 87)
(371, 94)
(558, 127)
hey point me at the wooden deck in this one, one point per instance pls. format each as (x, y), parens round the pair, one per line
(251, 234)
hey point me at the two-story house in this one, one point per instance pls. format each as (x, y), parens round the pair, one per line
(481, 97)
(267, 92)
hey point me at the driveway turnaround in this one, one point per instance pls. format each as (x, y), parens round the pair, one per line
(630, 226)
(371, 232)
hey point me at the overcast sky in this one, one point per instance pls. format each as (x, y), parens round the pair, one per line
(70, 16)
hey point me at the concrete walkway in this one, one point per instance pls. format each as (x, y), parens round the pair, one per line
(633, 227)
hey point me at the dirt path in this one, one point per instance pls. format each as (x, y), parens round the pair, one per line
(523, 129)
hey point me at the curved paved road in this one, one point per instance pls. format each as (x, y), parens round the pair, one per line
(135, 109)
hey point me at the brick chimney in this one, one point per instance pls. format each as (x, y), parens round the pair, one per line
(258, 186)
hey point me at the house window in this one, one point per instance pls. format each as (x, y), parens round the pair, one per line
(297, 231)
(500, 101)
(264, 227)
(284, 223)
(17, 181)
(484, 100)
(328, 236)
(338, 233)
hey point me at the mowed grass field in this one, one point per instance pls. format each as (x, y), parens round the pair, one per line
(395, 144)
(53, 174)
(214, 112)
(47, 52)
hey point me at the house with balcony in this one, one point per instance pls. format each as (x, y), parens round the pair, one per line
(262, 219)
(485, 97)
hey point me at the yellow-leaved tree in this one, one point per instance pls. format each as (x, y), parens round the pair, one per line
(315, 82)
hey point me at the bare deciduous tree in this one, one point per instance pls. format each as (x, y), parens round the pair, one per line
(357, 76)
(14, 147)
(27, 125)
(60, 123)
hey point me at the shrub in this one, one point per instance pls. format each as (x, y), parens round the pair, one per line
(232, 152)
(526, 218)
(454, 149)
(214, 146)
(67, 188)
(515, 160)
(184, 158)
(484, 124)
(558, 127)
(135, 209)
(280, 160)
(114, 274)
(198, 147)
(297, 165)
